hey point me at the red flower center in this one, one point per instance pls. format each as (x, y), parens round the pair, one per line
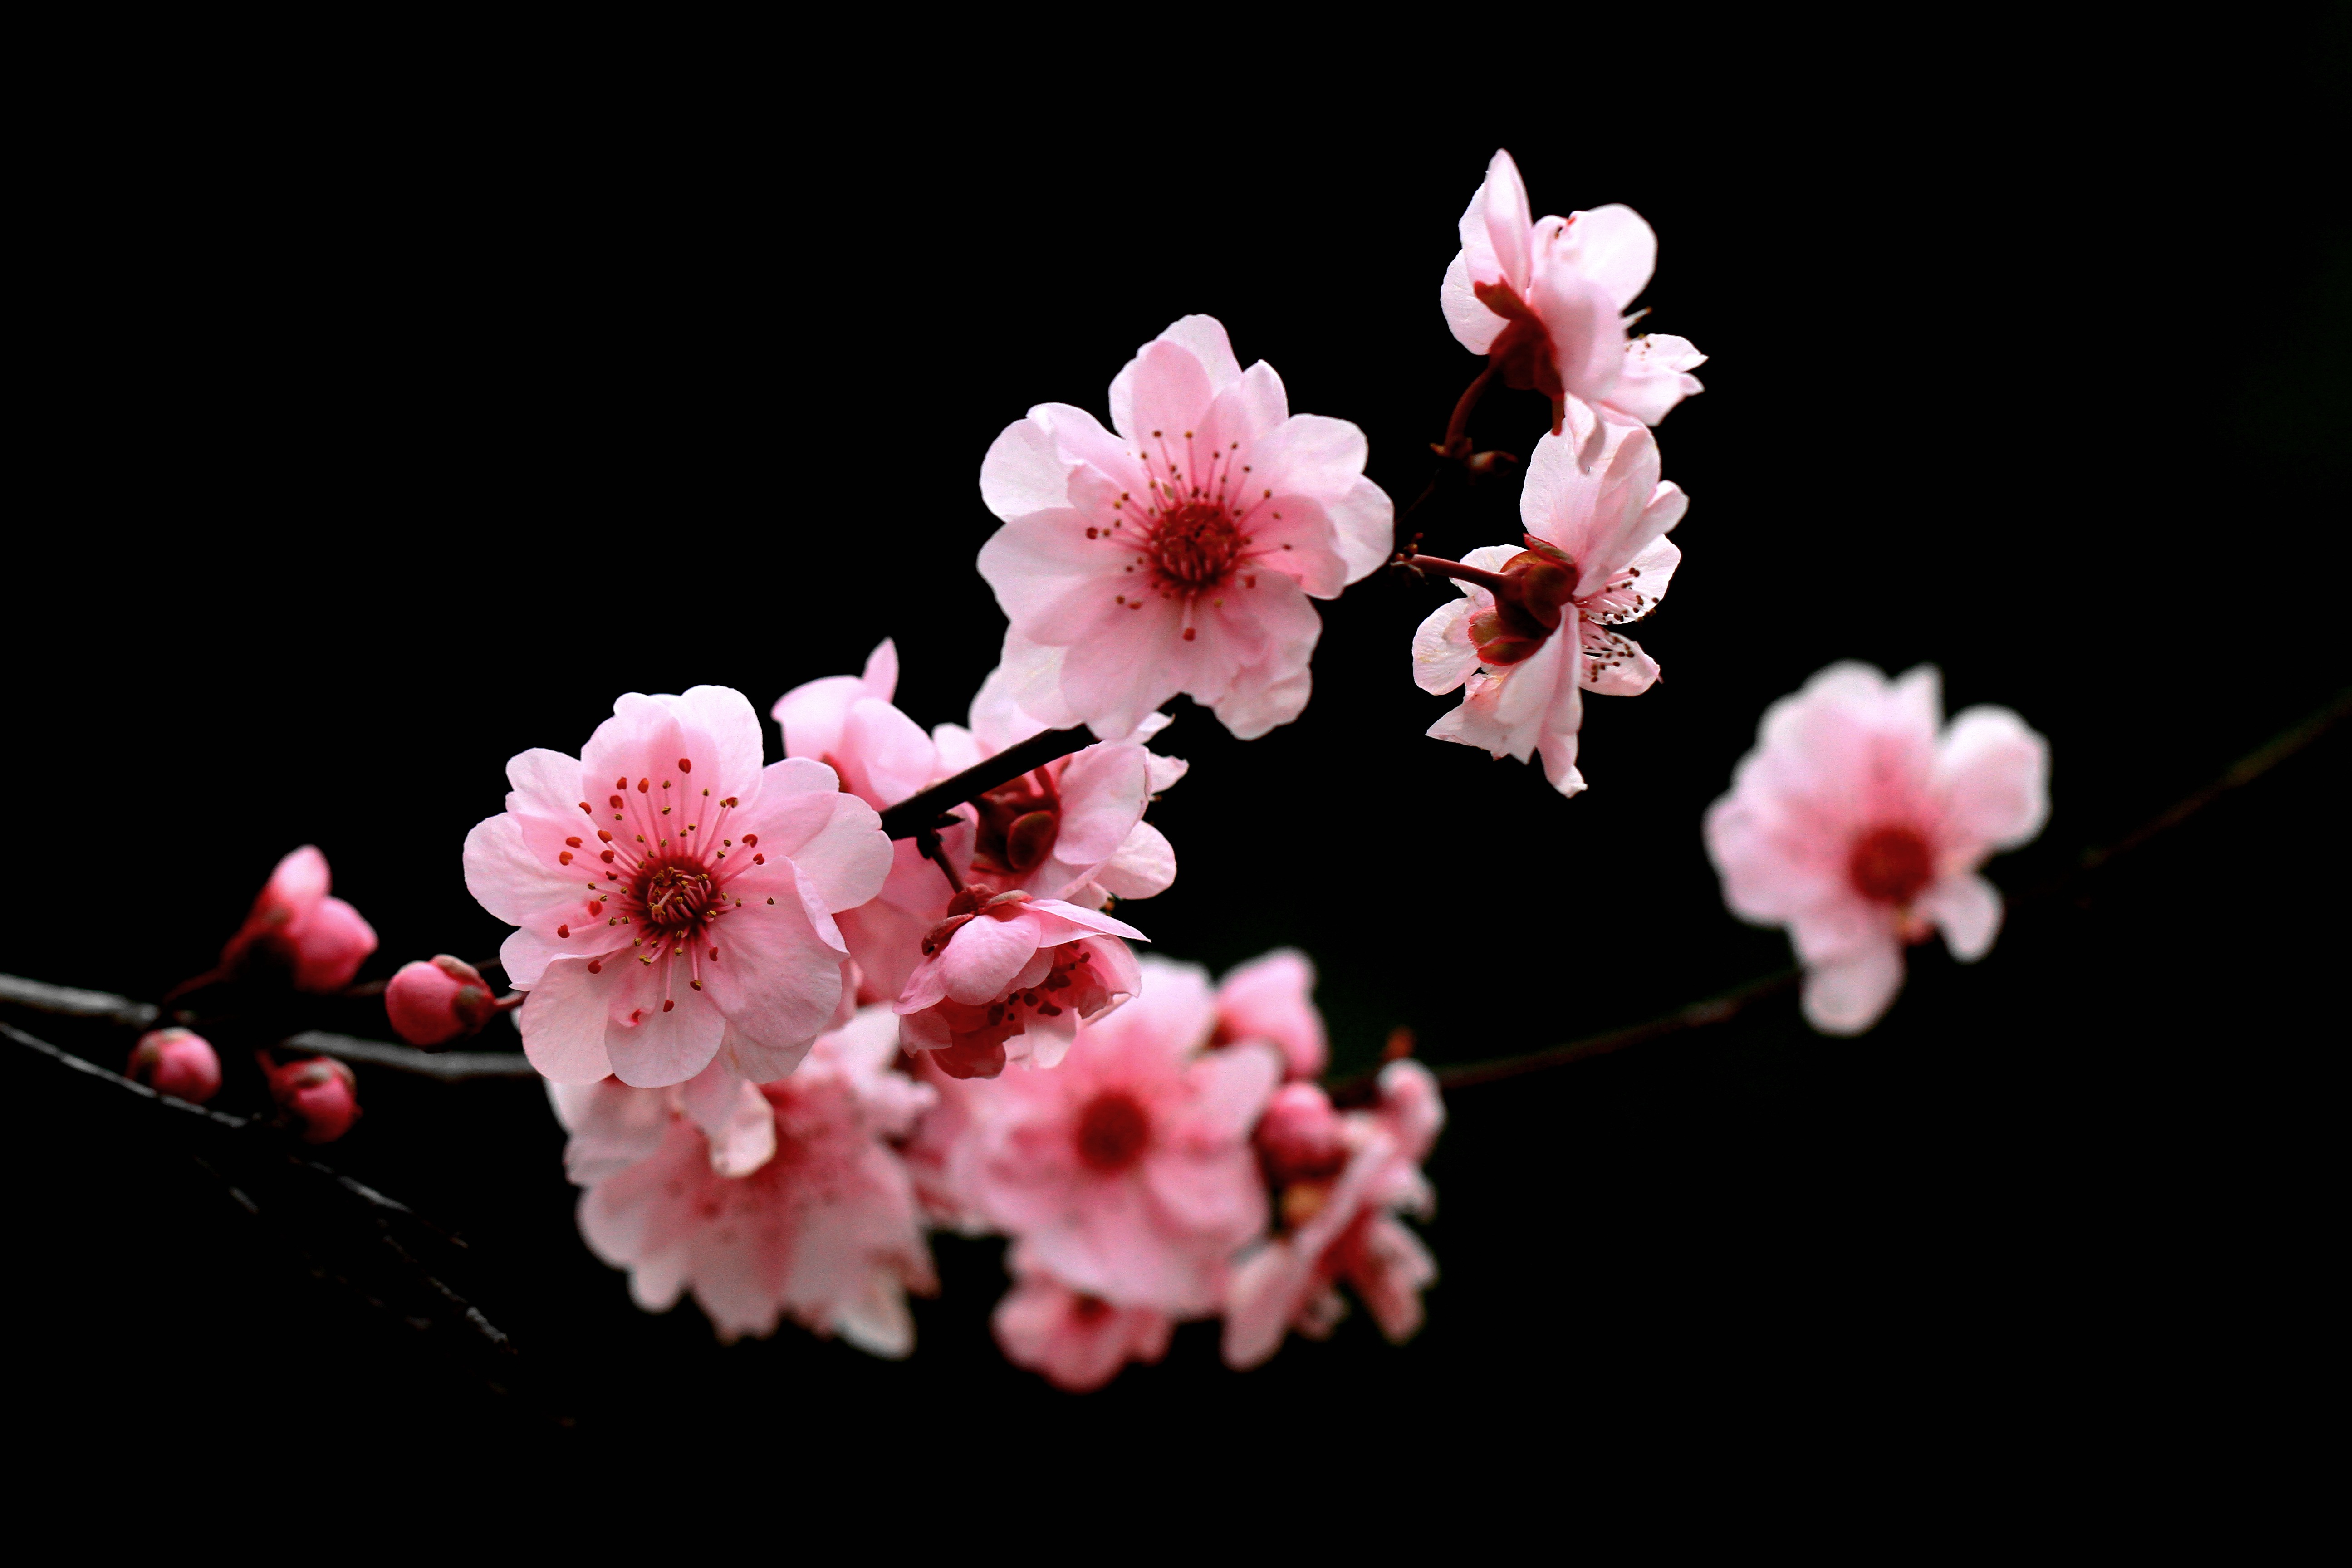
(1112, 1132)
(1193, 546)
(1089, 1310)
(677, 896)
(1891, 865)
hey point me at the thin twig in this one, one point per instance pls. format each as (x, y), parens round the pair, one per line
(76, 1003)
(447, 1066)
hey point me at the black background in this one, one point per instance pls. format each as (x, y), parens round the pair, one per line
(372, 445)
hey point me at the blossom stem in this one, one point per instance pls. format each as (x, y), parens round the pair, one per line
(928, 841)
(921, 812)
(1457, 428)
(1494, 583)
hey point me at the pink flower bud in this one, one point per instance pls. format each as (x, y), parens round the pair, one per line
(317, 1096)
(177, 1063)
(319, 942)
(1301, 1137)
(433, 1004)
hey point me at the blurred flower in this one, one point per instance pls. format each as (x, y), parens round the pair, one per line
(1127, 1171)
(1079, 1342)
(1545, 300)
(685, 913)
(1006, 975)
(433, 1002)
(1178, 556)
(1597, 557)
(320, 942)
(1343, 1176)
(1859, 823)
(1272, 999)
(177, 1062)
(317, 1096)
(825, 1230)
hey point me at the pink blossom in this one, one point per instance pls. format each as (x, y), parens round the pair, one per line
(941, 1153)
(317, 1096)
(1545, 301)
(825, 1231)
(1006, 976)
(847, 722)
(433, 1002)
(1859, 821)
(676, 901)
(1272, 999)
(1079, 1342)
(1177, 555)
(1127, 1171)
(1344, 1177)
(320, 941)
(1531, 632)
(177, 1062)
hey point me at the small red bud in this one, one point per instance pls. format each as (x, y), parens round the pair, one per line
(178, 1063)
(317, 1096)
(431, 1004)
(1301, 1136)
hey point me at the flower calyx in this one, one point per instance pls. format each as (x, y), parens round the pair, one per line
(1530, 593)
(967, 904)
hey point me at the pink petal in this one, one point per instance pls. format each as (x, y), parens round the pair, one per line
(1442, 654)
(984, 955)
(777, 978)
(1104, 790)
(1167, 393)
(1654, 376)
(1473, 325)
(1967, 909)
(1848, 996)
(1273, 998)
(1993, 774)
(1144, 865)
(1199, 339)
(1615, 247)
(562, 1024)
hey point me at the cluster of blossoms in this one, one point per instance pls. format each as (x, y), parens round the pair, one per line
(793, 1015)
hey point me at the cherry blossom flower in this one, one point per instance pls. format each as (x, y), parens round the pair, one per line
(1344, 1176)
(433, 1002)
(1077, 1341)
(319, 942)
(1272, 999)
(1546, 301)
(827, 1231)
(1008, 976)
(317, 1096)
(1177, 555)
(1532, 631)
(1859, 821)
(1127, 1172)
(177, 1062)
(676, 901)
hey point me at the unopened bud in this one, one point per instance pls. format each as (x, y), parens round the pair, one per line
(317, 1096)
(433, 1003)
(316, 941)
(1301, 1136)
(177, 1062)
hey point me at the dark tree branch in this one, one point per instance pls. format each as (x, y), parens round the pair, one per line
(923, 810)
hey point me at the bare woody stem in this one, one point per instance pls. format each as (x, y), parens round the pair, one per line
(921, 811)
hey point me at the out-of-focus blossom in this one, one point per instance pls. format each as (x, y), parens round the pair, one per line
(825, 1231)
(1532, 631)
(1077, 1341)
(317, 1096)
(1272, 999)
(433, 1002)
(1127, 1172)
(1546, 299)
(1008, 976)
(676, 901)
(941, 1152)
(177, 1062)
(1178, 554)
(320, 942)
(1343, 1178)
(1859, 821)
